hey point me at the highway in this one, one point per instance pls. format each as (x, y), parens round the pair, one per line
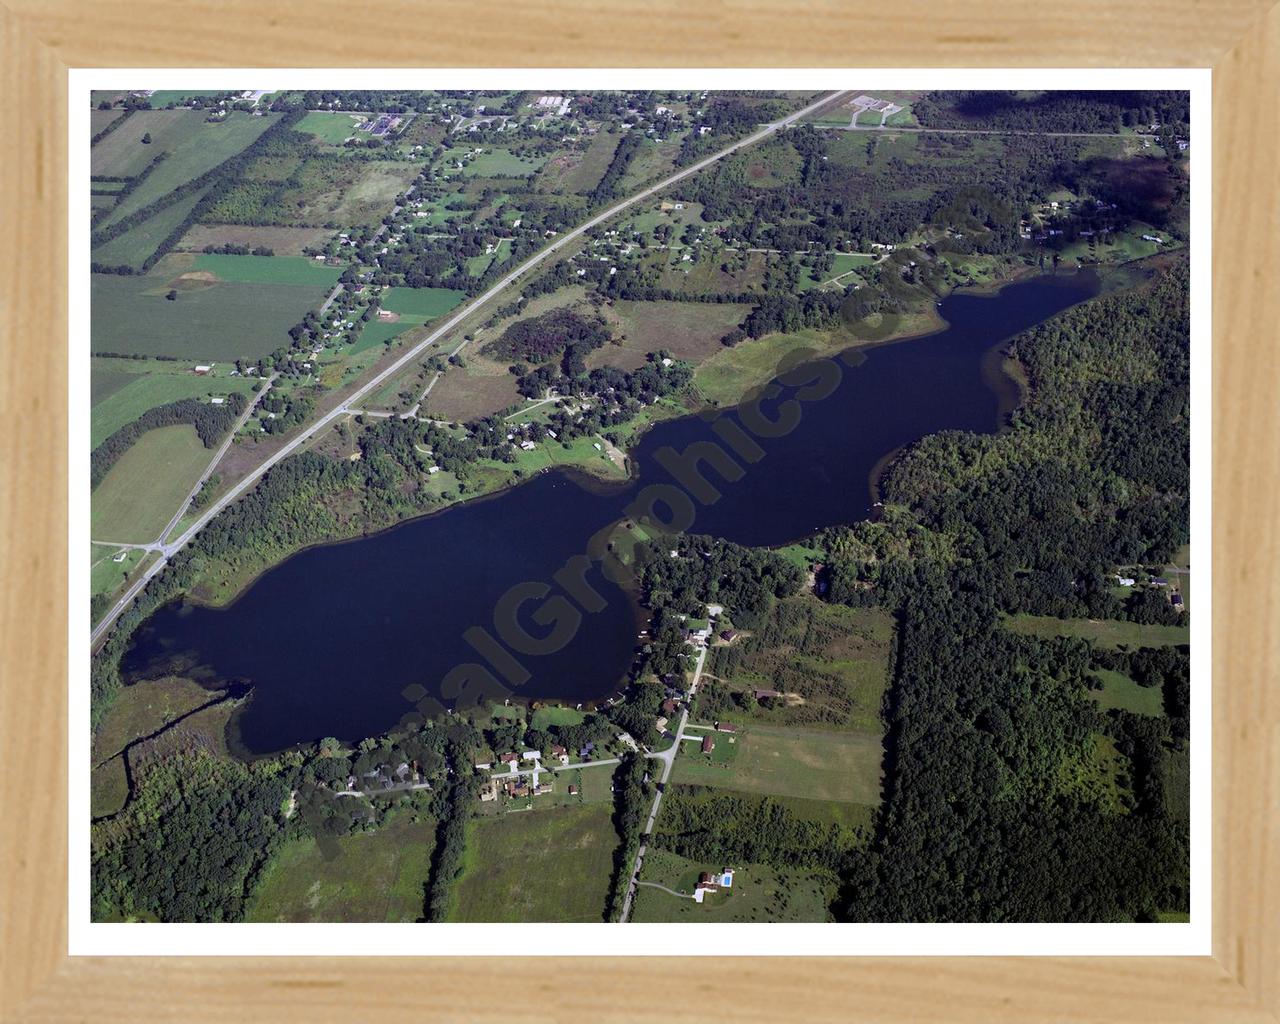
(167, 550)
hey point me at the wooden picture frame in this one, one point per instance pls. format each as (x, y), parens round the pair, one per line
(1239, 39)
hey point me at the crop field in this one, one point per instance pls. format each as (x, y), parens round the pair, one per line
(374, 877)
(758, 893)
(132, 247)
(123, 154)
(332, 128)
(199, 149)
(280, 240)
(840, 766)
(551, 865)
(427, 303)
(502, 163)
(147, 390)
(377, 332)
(1119, 691)
(269, 270)
(1104, 632)
(688, 330)
(147, 485)
(99, 119)
(208, 321)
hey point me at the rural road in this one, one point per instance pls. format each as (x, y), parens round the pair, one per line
(667, 757)
(541, 256)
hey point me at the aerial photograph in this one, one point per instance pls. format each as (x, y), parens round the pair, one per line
(617, 506)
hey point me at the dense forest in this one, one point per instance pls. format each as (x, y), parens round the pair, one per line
(1057, 110)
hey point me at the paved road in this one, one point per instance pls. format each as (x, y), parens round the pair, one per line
(667, 757)
(412, 354)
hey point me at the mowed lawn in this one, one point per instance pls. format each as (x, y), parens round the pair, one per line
(329, 127)
(299, 270)
(374, 877)
(209, 321)
(147, 485)
(539, 865)
(427, 303)
(840, 766)
(1103, 632)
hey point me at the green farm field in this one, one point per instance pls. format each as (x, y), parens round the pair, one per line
(814, 765)
(280, 240)
(427, 303)
(145, 391)
(551, 865)
(132, 248)
(207, 322)
(147, 485)
(197, 148)
(375, 877)
(300, 270)
(1104, 632)
(123, 154)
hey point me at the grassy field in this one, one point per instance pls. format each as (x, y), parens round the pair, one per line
(146, 486)
(147, 390)
(427, 303)
(502, 163)
(759, 893)
(131, 248)
(580, 170)
(370, 196)
(328, 127)
(688, 330)
(480, 388)
(209, 321)
(787, 762)
(198, 147)
(731, 373)
(548, 716)
(551, 865)
(832, 662)
(280, 240)
(374, 877)
(1119, 691)
(298, 270)
(1104, 632)
(105, 573)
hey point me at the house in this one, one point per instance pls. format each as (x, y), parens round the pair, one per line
(509, 758)
(1153, 238)
(202, 369)
(532, 755)
(1159, 581)
(1176, 601)
(1125, 581)
(726, 727)
(586, 750)
(557, 750)
(727, 635)
(217, 401)
(660, 724)
(484, 766)
(573, 790)
(708, 744)
(121, 555)
(668, 707)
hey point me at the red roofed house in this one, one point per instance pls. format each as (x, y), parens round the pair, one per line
(708, 744)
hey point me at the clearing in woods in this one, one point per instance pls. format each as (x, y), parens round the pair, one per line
(147, 485)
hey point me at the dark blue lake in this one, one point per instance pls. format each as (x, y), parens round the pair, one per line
(331, 638)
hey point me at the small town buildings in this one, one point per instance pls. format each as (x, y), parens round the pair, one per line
(532, 755)
(509, 758)
(1159, 581)
(726, 727)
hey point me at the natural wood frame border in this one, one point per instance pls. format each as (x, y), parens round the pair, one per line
(40, 39)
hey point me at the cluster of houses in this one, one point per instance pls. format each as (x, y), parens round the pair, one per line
(1158, 582)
